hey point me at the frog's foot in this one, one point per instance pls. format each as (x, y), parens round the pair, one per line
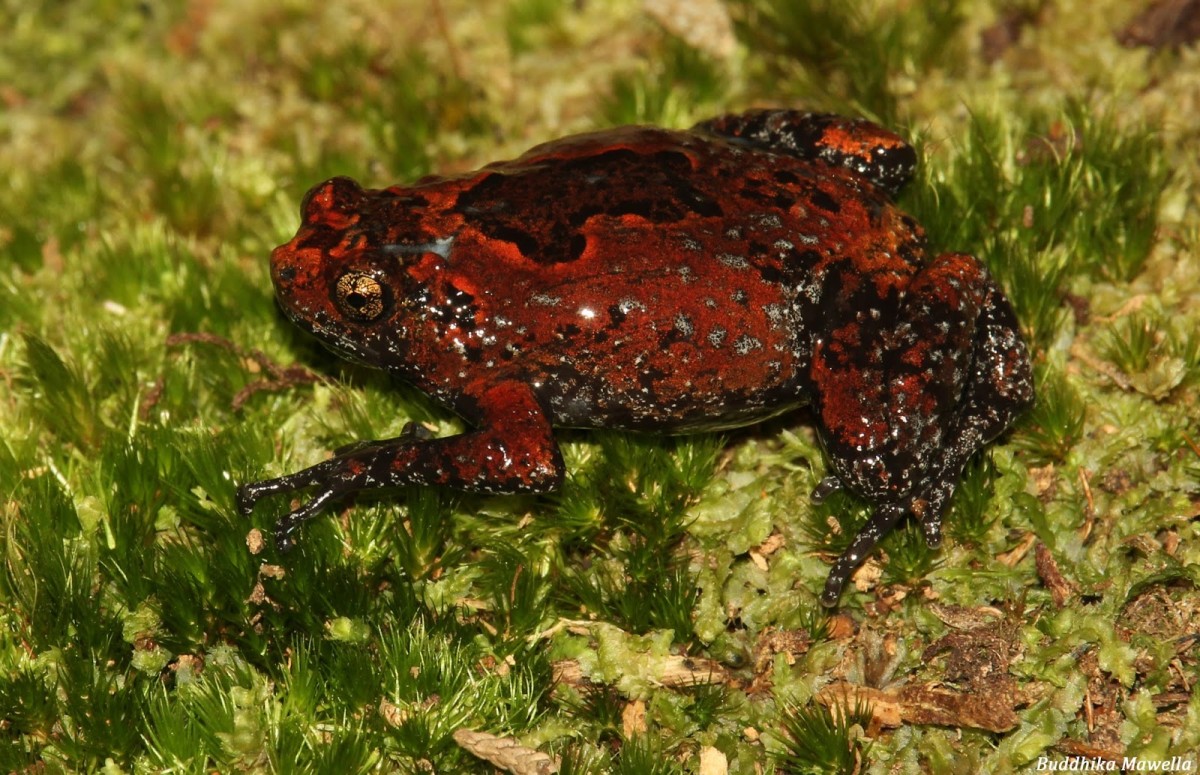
(287, 525)
(513, 450)
(249, 494)
(881, 522)
(928, 509)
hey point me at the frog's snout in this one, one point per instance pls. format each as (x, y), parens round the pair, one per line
(286, 274)
(283, 266)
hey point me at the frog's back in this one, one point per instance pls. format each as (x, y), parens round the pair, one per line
(646, 278)
(718, 198)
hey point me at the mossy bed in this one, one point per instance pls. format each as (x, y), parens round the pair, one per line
(659, 614)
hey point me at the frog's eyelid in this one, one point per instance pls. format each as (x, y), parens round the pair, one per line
(440, 246)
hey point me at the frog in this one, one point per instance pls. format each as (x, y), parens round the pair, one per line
(660, 281)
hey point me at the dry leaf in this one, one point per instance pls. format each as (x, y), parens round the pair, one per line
(1048, 572)
(713, 762)
(702, 24)
(507, 753)
(633, 719)
(928, 703)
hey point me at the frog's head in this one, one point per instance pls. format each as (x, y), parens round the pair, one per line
(339, 278)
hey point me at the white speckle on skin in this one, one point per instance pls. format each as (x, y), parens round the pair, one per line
(810, 291)
(746, 344)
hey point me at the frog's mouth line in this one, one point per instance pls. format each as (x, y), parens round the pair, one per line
(332, 334)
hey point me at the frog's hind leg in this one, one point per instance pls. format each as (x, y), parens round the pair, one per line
(904, 401)
(999, 387)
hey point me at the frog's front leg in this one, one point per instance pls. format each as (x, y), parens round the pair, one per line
(512, 450)
(903, 403)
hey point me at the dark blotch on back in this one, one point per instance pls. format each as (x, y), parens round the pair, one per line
(527, 243)
(564, 195)
(824, 201)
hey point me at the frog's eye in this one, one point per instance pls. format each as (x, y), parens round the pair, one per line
(361, 297)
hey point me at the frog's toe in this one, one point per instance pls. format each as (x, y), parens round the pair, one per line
(881, 522)
(250, 494)
(931, 508)
(284, 540)
(247, 495)
(289, 524)
(933, 532)
(826, 487)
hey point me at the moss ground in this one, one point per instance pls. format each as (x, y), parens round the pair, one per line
(659, 614)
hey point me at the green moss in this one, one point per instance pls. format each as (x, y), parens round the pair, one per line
(844, 56)
(152, 157)
(821, 740)
(667, 89)
(1055, 424)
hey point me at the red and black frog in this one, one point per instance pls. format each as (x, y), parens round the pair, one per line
(664, 281)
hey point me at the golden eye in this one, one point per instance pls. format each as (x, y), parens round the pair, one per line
(360, 296)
